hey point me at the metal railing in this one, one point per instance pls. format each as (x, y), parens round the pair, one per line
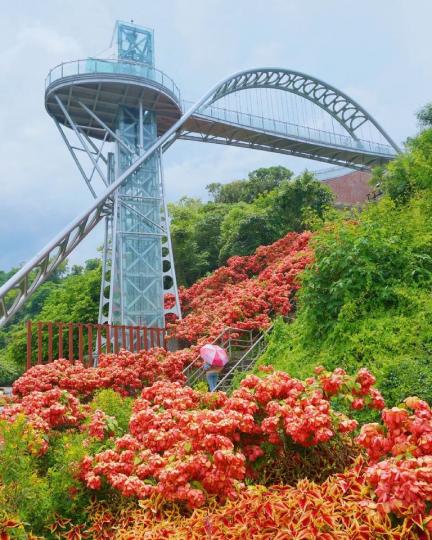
(245, 362)
(112, 66)
(278, 127)
(236, 342)
(47, 341)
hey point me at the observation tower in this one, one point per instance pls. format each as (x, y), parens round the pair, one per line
(126, 103)
(118, 115)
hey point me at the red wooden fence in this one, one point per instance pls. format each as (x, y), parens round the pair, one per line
(47, 341)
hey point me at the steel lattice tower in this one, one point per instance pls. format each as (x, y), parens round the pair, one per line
(127, 102)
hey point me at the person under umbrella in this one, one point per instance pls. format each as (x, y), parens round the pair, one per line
(215, 358)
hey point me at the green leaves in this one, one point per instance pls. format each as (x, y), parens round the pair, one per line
(366, 300)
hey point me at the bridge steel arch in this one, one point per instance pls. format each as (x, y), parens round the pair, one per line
(24, 283)
(345, 110)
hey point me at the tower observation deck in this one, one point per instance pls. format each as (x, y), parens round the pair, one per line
(118, 115)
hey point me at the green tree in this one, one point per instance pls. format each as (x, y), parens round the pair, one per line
(295, 200)
(258, 183)
(411, 171)
(75, 298)
(266, 179)
(244, 228)
(230, 193)
(208, 233)
(190, 262)
(424, 116)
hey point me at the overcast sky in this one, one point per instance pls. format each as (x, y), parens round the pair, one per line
(378, 51)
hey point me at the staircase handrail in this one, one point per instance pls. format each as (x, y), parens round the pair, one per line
(219, 336)
(264, 334)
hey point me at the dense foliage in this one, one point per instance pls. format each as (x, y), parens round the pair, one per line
(245, 293)
(126, 450)
(70, 295)
(366, 300)
(243, 215)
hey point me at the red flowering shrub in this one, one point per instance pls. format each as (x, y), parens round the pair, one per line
(54, 408)
(402, 480)
(305, 511)
(125, 372)
(359, 389)
(101, 425)
(245, 292)
(194, 448)
(185, 444)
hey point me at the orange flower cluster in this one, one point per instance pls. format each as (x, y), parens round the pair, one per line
(187, 445)
(246, 292)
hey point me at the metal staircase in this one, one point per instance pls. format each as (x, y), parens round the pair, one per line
(243, 347)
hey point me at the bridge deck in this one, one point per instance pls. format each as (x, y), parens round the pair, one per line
(223, 126)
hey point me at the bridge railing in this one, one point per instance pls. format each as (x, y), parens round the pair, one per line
(272, 125)
(85, 342)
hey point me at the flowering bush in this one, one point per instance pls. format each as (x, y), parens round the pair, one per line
(47, 410)
(186, 445)
(245, 292)
(129, 429)
(125, 372)
(400, 476)
(307, 510)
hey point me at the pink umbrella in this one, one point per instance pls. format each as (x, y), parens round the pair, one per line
(214, 355)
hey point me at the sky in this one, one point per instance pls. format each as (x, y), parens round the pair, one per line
(377, 51)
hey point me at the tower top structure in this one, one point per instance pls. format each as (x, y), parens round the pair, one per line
(135, 43)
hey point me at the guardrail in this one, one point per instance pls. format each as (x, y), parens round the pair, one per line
(235, 341)
(84, 342)
(244, 363)
(278, 127)
(112, 66)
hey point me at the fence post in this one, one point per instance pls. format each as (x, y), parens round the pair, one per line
(50, 342)
(71, 351)
(80, 342)
(29, 344)
(138, 334)
(146, 347)
(108, 339)
(123, 337)
(99, 339)
(116, 344)
(90, 344)
(132, 348)
(60, 340)
(39, 330)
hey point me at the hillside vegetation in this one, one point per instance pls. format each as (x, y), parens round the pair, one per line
(242, 215)
(366, 300)
(128, 450)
